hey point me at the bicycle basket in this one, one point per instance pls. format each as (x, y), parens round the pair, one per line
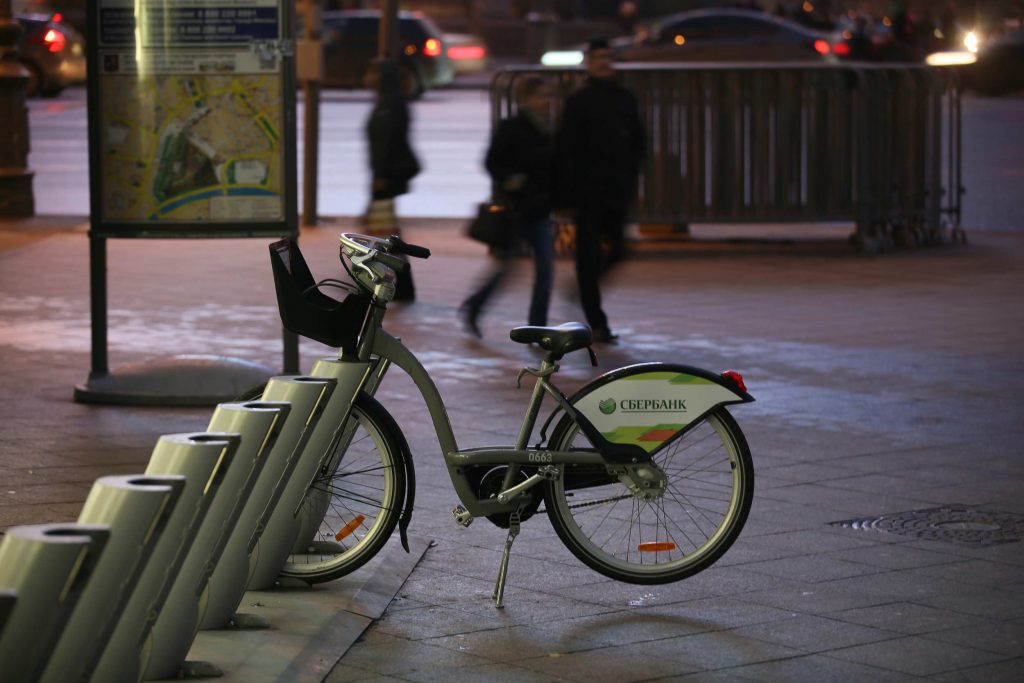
(307, 311)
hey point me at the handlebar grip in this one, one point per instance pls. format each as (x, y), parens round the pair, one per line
(398, 246)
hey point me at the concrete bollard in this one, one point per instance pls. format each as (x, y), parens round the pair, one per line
(176, 626)
(287, 519)
(307, 396)
(48, 566)
(204, 460)
(136, 508)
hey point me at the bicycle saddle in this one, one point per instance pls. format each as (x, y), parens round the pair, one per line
(559, 340)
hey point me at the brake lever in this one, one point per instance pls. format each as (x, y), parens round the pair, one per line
(359, 261)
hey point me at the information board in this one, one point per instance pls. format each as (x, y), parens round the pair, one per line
(192, 126)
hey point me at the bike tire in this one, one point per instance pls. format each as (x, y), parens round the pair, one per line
(357, 496)
(684, 530)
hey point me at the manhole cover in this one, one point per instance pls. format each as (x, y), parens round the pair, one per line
(968, 525)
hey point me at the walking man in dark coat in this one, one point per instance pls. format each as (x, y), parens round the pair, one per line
(600, 146)
(393, 164)
(520, 162)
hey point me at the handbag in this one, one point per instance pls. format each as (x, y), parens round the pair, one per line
(493, 225)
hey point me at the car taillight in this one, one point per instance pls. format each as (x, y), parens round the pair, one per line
(466, 52)
(54, 40)
(841, 49)
(822, 46)
(432, 48)
(57, 18)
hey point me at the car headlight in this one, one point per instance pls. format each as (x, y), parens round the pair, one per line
(971, 41)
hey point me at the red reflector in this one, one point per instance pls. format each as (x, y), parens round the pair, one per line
(822, 46)
(841, 49)
(54, 40)
(735, 378)
(653, 547)
(349, 528)
(466, 52)
(432, 48)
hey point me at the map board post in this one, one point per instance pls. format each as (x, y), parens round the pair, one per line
(191, 107)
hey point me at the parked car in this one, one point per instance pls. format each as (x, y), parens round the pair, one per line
(350, 46)
(717, 35)
(52, 52)
(70, 11)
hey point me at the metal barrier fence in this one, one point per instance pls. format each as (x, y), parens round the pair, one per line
(875, 145)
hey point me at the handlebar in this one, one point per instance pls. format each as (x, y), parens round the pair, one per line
(364, 244)
(375, 260)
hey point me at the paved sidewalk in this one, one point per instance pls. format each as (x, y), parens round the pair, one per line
(884, 385)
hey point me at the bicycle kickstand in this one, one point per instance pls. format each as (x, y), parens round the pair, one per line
(499, 587)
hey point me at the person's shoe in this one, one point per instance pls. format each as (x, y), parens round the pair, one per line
(469, 317)
(605, 336)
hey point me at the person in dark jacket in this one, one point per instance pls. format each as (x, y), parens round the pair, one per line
(600, 145)
(392, 161)
(521, 164)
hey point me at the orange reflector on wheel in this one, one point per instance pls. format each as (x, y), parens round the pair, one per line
(658, 547)
(349, 528)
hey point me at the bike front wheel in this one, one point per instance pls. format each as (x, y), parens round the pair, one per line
(651, 538)
(356, 497)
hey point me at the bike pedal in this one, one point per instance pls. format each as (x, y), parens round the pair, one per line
(462, 516)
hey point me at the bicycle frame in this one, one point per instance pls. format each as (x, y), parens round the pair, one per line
(378, 343)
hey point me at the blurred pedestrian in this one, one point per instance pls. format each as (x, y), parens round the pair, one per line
(392, 161)
(520, 160)
(600, 145)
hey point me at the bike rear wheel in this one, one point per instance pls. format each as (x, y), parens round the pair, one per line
(357, 497)
(664, 537)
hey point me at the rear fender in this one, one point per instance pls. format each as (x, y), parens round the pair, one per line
(638, 409)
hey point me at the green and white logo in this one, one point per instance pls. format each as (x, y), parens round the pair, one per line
(607, 406)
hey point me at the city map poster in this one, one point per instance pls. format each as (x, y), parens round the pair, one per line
(191, 125)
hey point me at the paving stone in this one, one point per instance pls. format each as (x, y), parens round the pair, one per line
(815, 668)
(917, 656)
(810, 633)
(1006, 671)
(909, 618)
(1004, 638)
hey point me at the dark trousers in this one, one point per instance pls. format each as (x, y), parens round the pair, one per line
(600, 245)
(538, 235)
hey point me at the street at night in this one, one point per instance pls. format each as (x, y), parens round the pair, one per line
(885, 537)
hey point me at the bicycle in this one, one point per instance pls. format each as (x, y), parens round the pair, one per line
(646, 477)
